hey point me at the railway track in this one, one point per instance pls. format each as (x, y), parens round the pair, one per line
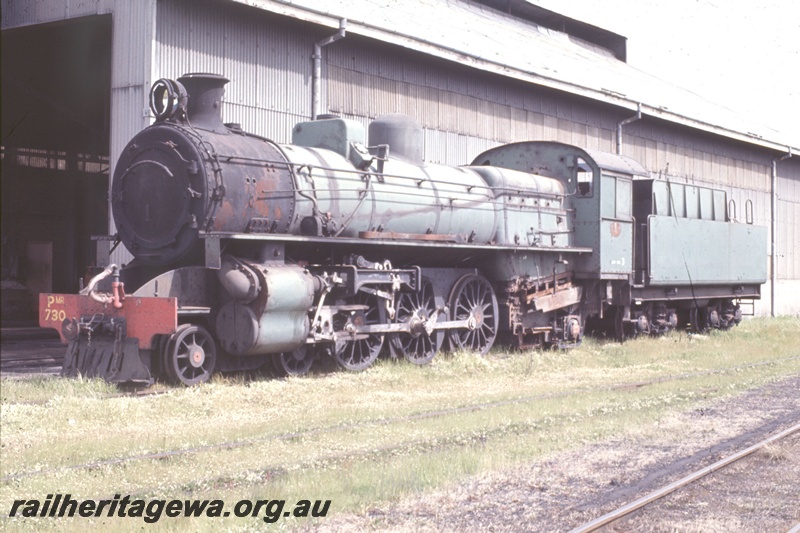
(32, 351)
(656, 495)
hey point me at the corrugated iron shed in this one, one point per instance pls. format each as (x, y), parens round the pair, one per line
(487, 39)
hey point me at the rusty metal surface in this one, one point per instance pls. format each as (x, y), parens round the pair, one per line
(145, 317)
(173, 181)
(159, 194)
(560, 299)
(258, 186)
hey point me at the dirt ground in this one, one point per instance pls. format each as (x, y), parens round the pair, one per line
(760, 493)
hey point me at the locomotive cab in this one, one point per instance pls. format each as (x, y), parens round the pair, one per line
(599, 186)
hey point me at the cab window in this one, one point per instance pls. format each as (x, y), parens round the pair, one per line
(585, 178)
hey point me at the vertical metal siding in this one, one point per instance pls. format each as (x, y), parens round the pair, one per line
(383, 96)
(429, 106)
(413, 72)
(518, 126)
(372, 82)
(268, 65)
(23, 13)
(435, 145)
(297, 83)
(550, 128)
(788, 207)
(564, 131)
(532, 101)
(132, 52)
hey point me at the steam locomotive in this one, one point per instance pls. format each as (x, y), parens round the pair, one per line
(247, 251)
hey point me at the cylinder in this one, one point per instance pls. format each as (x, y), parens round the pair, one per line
(238, 280)
(276, 321)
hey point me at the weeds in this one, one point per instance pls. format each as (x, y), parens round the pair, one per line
(372, 437)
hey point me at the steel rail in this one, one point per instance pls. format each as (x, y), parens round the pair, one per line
(627, 509)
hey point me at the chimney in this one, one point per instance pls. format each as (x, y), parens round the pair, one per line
(205, 100)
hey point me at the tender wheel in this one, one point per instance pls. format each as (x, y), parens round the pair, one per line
(643, 323)
(415, 309)
(714, 319)
(190, 355)
(473, 299)
(730, 314)
(295, 363)
(359, 351)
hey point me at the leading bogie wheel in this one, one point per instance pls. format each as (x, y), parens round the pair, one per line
(190, 355)
(295, 363)
(473, 299)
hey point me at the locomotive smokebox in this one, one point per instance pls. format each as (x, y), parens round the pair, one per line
(402, 134)
(205, 100)
(169, 184)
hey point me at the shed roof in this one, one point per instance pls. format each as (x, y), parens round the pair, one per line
(487, 39)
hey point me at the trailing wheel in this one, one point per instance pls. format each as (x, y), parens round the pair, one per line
(295, 363)
(357, 351)
(416, 309)
(473, 299)
(190, 355)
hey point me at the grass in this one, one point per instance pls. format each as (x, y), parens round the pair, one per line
(363, 439)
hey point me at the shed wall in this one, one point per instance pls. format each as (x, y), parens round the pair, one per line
(267, 60)
(463, 111)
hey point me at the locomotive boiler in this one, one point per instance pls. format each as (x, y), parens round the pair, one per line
(345, 243)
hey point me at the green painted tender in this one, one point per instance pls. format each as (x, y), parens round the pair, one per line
(663, 253)
(692, 251)
(690, 240)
